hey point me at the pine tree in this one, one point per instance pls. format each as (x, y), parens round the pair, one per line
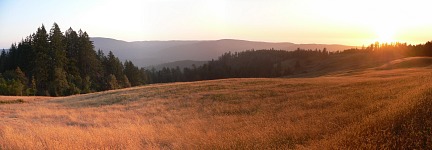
(41, 67)
(60, 84)
(114, 66)
(58, 48)
(126, 82)
(72, 53)
(86, 85)
(57, 74)
(12, 58)
(88, 62)
(297, 66)
(112, 81)
(278, 70)
(33, 87)
(26, 56)
(133, 74)
(16, 88)
(21, 76)
(144, 76)
(3, 58)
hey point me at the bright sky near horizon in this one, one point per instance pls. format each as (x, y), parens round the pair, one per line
(346, 22)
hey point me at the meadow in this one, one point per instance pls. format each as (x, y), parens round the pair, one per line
(386, 107)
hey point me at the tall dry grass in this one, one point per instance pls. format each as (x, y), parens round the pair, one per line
(370, 109)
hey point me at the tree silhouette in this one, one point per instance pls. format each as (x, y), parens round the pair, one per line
(61, 64)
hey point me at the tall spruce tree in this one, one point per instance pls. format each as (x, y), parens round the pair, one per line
(26, 56)
(59, 85)
(20, 76)
(114, 66)
(57, 47)
(41, 69)
(88, 63)
(58, 60)
(72, 69)
(133, 73)
(12, 61)
(126, 82)
(3, 57)
(72, 53)
(112, 82)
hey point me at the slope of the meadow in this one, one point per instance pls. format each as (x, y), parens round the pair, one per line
(377, 108)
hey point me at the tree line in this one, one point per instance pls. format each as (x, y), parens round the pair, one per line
(246, 64)
(56, 64)
(276, 63)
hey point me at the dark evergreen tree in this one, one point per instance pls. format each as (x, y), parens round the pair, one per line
(133, 74)
(114, 66)
(59, 85)
(20, 76)
(112, 81)
(33, 87)
(41, 67)
(297, 66)
(16, 87)
(86, 85)
(26, 56)
(126, 82)
(3, 57)
(12, 58)
(88, 62)
(72, 52)
(58, 61)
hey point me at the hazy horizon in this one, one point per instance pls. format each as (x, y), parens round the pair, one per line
(298, 21)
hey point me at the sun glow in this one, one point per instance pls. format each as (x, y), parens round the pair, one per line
(385, 34)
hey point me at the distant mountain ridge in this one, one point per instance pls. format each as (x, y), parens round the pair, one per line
(152, 53)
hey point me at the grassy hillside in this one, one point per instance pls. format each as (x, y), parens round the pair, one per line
(351, 62)
(377, 108)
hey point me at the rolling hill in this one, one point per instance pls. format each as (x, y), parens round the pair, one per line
(369, 108)
(152, 53)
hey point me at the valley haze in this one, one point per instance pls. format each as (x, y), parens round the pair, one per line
(153, 53)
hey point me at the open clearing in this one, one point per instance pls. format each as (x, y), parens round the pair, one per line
(379, 108)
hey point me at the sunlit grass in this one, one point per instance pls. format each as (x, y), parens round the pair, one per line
(11, 101)
(371, 109)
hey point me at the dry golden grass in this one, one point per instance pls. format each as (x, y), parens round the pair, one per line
(24, 98)
(372, 109)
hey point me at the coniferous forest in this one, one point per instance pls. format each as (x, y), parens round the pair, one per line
(279, 63)
(53, 63)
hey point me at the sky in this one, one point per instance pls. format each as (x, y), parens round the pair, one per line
(347, 22)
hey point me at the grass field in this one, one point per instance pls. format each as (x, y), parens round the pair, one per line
(388, 107)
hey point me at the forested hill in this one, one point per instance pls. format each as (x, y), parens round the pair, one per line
(56, 63)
